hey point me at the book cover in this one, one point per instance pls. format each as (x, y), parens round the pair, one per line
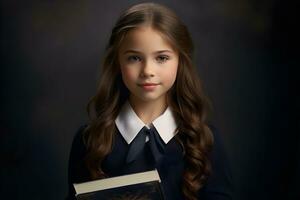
(138, 186)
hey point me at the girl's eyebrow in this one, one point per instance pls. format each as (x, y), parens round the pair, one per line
(156, 52)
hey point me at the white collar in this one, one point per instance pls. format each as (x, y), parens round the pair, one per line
(129, 124)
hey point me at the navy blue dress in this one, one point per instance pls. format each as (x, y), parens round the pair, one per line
(218, 187)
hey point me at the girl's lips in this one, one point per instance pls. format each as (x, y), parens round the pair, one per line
(149, 86)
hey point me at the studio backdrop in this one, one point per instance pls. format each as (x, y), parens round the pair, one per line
(51, 53)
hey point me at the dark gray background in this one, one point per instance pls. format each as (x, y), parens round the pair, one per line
(50, 57)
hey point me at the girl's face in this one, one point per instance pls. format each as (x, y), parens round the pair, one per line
(148, 65)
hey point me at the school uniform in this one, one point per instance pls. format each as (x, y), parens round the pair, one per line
(170, 164)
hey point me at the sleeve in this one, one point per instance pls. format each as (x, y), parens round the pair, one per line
(77, 172)
(220, 183)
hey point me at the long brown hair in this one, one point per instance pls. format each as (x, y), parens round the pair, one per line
(186, 98)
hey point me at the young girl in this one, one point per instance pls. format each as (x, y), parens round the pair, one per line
(149, 91)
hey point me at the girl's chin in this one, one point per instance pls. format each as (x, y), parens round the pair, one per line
(147, 98)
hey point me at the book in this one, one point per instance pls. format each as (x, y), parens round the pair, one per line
(137, 186)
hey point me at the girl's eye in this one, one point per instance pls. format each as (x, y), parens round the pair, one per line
(162, 59)
(133, 58)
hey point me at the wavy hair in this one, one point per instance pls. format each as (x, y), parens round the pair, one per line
(186, 98)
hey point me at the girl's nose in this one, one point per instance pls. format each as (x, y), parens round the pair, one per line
(147, 69)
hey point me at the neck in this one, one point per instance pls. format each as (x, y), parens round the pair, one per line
(148, 111)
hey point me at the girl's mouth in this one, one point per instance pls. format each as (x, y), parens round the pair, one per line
(149, 86)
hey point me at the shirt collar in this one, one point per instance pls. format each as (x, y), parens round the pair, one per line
(129, 124)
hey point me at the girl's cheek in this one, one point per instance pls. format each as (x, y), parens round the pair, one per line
(170, 78)
(128, 73)
(170, 75)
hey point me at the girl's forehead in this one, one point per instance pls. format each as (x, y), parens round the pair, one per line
(145, 39)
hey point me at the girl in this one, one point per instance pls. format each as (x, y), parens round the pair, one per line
(148, 83)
